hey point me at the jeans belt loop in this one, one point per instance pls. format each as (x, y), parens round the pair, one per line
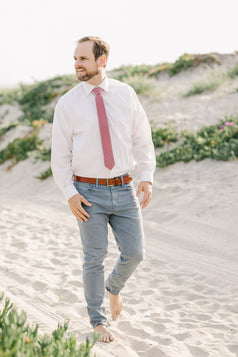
(122, 181)
(97, 183)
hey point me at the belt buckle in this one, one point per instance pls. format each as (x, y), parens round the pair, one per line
(108, 183)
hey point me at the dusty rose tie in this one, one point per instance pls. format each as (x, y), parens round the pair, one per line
(104, 130)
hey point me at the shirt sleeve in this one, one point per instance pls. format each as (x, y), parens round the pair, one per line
(143, 148)
(61, 151)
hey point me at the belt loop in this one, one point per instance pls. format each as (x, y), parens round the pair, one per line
(122, 181)
(97, 183)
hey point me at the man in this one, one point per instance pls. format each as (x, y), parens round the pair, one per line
(99, 132)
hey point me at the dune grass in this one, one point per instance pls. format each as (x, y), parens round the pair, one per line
(141, 85)
(233, 71)
(212, 82)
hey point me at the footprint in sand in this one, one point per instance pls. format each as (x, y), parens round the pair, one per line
(202, 317)
(172, 307)
(39, 285)
(147, 292)
(182, 336)
(77, 272)
(76, 283)
(233, 349)
(197, 351)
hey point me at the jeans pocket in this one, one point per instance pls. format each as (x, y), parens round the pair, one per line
(129, 186)
(83, 187)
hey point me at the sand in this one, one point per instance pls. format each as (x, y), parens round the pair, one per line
(182, 300)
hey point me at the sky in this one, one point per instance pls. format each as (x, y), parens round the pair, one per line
(38, 36)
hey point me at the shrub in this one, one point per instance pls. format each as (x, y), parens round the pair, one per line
(157, 69)
(33, 98)
(219, 142)
(44, 92)
(45, 154)
(19, 339)
(233, 71)
(162, 136)
(19, 148)
(182, 63)
(189, 60)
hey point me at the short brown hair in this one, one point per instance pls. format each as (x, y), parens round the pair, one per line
(100, 47)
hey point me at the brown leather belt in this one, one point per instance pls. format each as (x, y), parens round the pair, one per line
(109, 182)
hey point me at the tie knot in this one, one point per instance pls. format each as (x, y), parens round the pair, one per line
(97, 90)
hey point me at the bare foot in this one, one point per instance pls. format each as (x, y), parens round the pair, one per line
(115, 305)
(105, 334)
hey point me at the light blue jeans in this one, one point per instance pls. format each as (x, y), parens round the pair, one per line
(119, 207)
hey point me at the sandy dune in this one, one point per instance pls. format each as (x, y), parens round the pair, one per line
(183, 299)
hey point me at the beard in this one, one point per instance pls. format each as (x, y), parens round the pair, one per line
(87, 75)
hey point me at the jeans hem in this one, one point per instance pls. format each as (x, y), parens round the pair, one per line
(111, 292)
(103, 323)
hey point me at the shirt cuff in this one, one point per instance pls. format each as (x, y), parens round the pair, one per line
(147, 176)
(70, 191)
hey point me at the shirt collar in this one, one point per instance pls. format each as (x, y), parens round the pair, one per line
(89, 87)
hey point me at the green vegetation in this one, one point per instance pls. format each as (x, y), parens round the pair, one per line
(219, 142)
(5, 129)
(34, 98)
(37, 103)
(128, 71)
(19, 148)
(43, 154)
(19, 339)
(9, 95)
(162, 136)
(43, 175)
(213, 81)
(182, 63)
(189, 60)
(233, 71)
(141, 85)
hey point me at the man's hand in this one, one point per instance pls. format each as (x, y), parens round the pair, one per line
(146, 187)
(75, 204)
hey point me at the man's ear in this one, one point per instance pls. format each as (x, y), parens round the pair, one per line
(103, 60)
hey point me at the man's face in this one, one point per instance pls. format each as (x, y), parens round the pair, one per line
(85, 65)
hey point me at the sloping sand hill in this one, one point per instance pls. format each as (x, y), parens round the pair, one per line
(183, 299)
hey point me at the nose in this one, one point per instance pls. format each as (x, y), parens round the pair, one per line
(77, 63)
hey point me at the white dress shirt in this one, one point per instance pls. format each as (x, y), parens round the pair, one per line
(76, 140)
